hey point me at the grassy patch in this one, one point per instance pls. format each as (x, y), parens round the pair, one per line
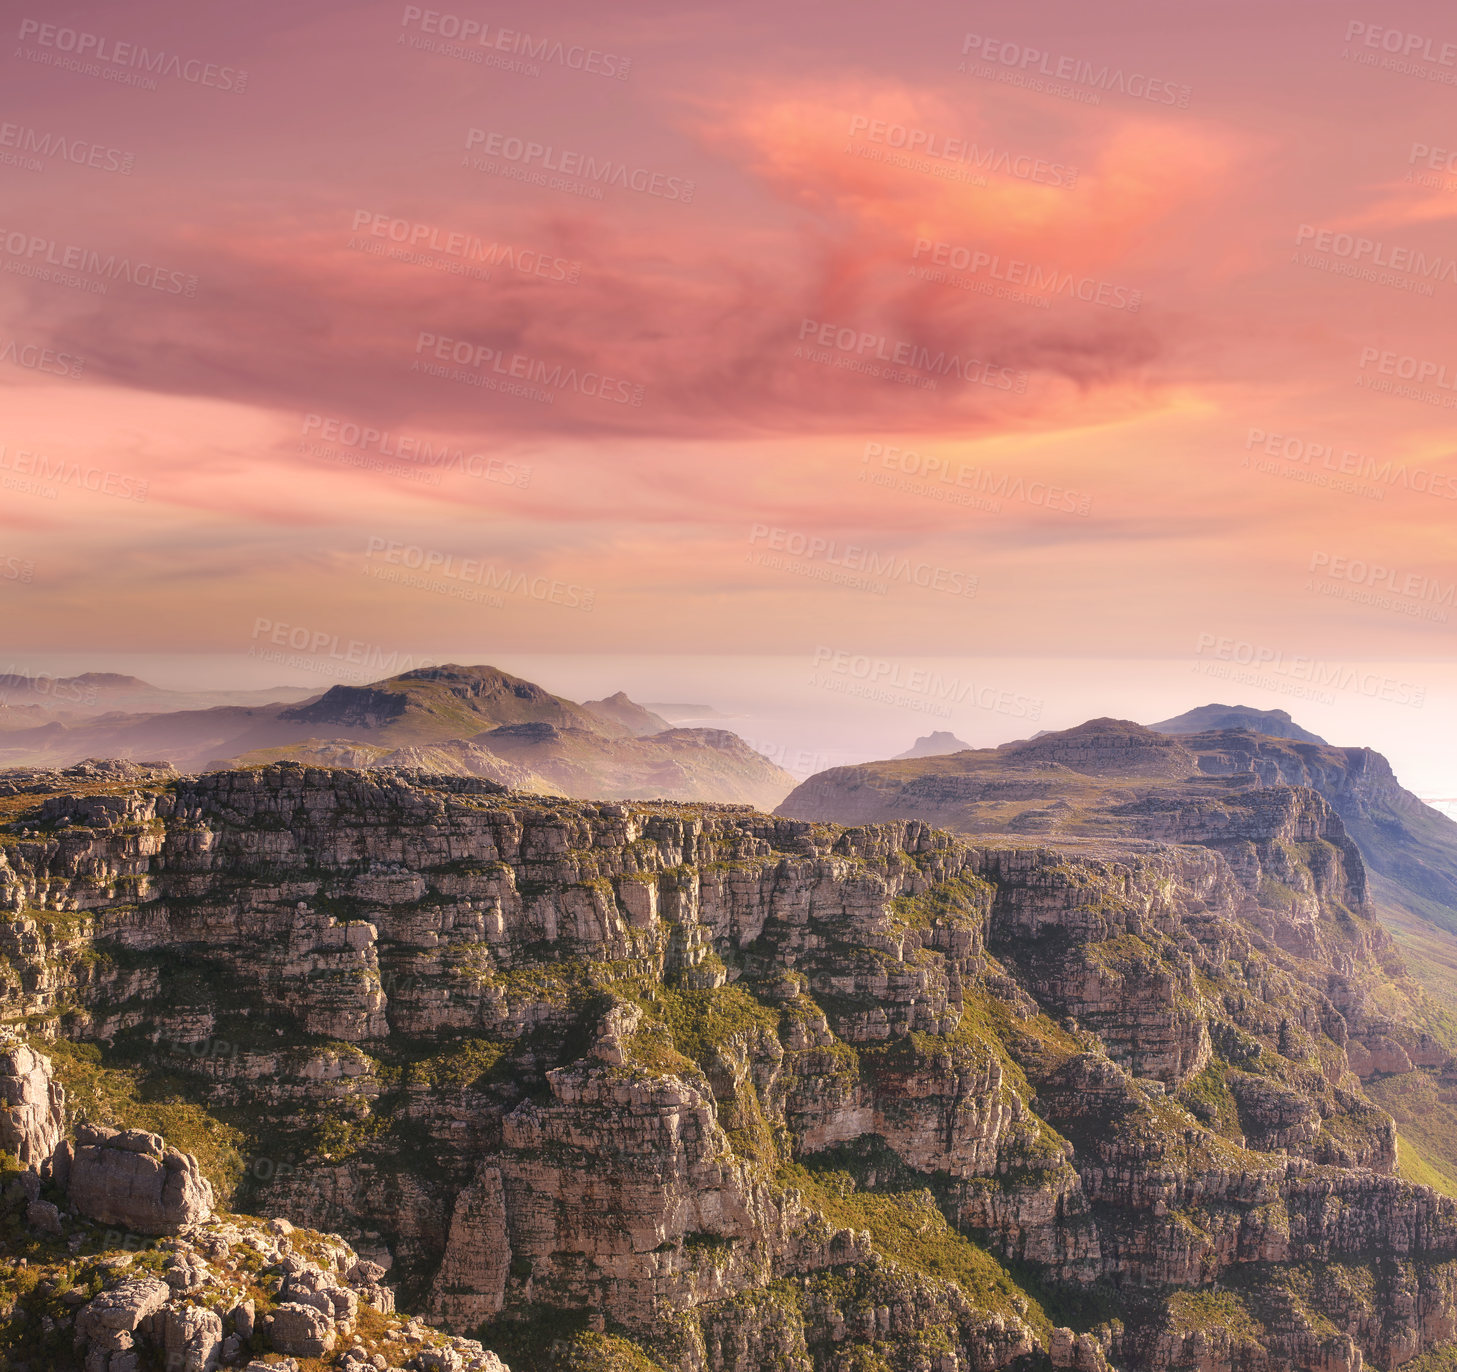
(458, 1067)
(910, 1228)
(1208, 1098)
(1426, 1127)
(1192, 1311)
(1413, 1164)
(132, 1098)
(701, 1021)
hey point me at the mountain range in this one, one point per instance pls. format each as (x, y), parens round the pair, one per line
(476, 721)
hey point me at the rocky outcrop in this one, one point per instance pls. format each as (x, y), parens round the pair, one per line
(110, 1324)
(304, 1330)
(131, 1178)
(110, 1311)
(197, 1319)
(470, 1283)
(19, 781)
(32, 1105)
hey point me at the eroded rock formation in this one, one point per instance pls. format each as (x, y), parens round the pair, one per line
(752, 1090)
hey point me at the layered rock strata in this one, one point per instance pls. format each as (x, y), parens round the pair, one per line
(748, 1089)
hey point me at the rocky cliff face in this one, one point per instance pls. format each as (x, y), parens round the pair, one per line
(32, 1104)
(112, 1260)
(753, 1091)
(1400, 836)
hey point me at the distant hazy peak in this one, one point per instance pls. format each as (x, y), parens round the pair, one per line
(1107, 747)
(934, 745)
(621, 712)
(678, 711)
(1274, 723)
(43, 684)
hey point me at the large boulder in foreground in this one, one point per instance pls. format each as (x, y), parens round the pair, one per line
(32, 1106)
(130, 1178)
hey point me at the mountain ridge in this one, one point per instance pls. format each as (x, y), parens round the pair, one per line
(1211, 718)
(440, 717)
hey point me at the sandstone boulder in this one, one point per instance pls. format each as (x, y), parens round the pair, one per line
(110, 1322)
(192, 1339)
(43, 1217)
(311, 1285)
(130, 1178)
(243, 1315)
(303, 1330)
(186, 1273)
(32, 1105)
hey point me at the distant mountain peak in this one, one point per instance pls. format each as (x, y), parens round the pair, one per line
(620, 712)
(935, 744)
(1207, 718)
(469, 720)
(1107, 746)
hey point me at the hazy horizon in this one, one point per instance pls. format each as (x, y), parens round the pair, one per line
(786, 707)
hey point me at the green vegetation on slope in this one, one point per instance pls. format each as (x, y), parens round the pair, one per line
(909, 1228)
(135, 1098)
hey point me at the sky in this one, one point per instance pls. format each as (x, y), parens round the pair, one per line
(1102, 352)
